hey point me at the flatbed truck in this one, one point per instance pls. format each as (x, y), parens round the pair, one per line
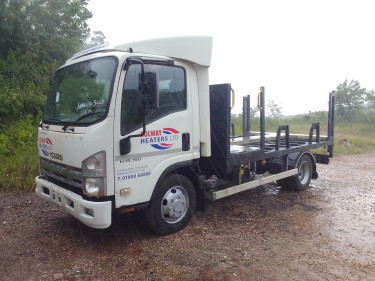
(138, 127)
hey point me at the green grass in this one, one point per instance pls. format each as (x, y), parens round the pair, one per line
(350, 137)
(346, 145)
(18, 155)
(20, 170)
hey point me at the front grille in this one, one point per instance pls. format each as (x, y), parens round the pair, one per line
(65, 176)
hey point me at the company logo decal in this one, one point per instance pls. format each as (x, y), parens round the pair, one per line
(161, 139)
(45, 144)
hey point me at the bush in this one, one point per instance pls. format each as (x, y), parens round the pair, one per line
(19, 154)
(36, 36)
(23, 85)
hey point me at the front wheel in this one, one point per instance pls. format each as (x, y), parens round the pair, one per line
(172, 205)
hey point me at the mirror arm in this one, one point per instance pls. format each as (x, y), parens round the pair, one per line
(129, 61)
(125, 144)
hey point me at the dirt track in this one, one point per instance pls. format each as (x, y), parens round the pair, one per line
(324, 233)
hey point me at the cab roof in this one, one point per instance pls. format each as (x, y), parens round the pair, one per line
(197, 49)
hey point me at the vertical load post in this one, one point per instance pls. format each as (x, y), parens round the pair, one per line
(246, 116)
(262, 118)
(331, 121)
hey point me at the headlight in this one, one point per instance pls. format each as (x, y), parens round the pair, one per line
(94, 175)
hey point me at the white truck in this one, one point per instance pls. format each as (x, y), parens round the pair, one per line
(138, 127)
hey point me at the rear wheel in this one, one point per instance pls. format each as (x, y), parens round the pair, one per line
(172, 206)
(302, 180)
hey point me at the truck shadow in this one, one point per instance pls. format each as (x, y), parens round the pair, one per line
(124, 230)
(131, 228)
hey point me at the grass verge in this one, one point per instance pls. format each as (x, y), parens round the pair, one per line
(19, 170)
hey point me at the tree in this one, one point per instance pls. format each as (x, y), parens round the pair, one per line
(254, 112)
(36, 36)
(273, 108)
(12, 30)
(50, 29)
(96, 39)
(370, 99)
(350, 97)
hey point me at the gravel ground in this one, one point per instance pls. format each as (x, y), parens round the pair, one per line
(324, 233)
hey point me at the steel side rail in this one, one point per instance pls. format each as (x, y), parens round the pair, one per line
(252, 184)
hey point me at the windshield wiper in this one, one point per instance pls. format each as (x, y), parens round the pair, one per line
(88, 115)
(65, 127)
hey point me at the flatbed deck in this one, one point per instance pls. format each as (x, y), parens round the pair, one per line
(230, 152)
(273, 142)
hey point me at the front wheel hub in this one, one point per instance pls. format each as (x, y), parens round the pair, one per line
(175, 204)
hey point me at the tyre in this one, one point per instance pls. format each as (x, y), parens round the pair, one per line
(284, 183)
(172, 205)
(302, 180)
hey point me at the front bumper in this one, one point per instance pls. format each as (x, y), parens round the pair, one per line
(93, 214)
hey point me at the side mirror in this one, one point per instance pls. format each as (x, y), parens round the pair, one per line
(149, 90)
(125, 146)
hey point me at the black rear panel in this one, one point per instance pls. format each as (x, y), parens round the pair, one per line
(220, 131)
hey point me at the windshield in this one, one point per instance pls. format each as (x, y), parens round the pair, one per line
(80, 93)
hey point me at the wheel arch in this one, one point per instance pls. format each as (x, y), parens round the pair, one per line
(294, 158)
(173, 201)
(184, 169)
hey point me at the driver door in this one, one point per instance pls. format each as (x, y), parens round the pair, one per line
(166, 140)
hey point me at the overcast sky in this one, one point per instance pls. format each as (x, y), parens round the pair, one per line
(299, 50)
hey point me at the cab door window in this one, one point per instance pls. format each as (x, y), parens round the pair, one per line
(172, 95)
